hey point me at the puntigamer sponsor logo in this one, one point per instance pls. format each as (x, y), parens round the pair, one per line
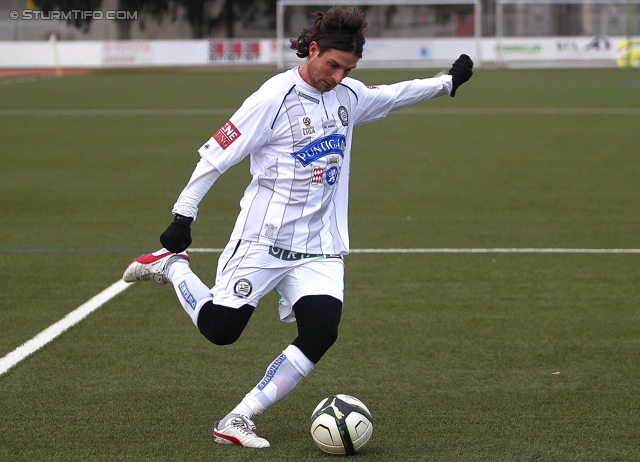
(186, 294)
(273, 368)
(332, 144)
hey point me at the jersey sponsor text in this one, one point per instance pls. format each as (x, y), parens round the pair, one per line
(227, 134)
(332, 144)
(307, 97)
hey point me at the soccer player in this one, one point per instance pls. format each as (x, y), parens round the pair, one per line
(291, 233)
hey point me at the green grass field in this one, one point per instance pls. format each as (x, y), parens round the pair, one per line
(459, 356)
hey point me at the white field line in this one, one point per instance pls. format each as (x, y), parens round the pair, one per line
(522, 111)
(408, 111)
(30, 78)
(113, 112)
(496, 250)
(84, 310)
(51, 332)
(533, 250)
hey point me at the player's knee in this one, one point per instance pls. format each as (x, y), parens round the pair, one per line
(218, 337)
(326, 332)
(330, 336)
(318, 318)
(317, 342)
(222, 325)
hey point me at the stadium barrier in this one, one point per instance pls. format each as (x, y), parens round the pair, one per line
(390, 52)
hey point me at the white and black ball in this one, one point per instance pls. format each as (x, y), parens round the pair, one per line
(341, 425)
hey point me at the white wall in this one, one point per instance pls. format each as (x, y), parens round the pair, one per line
(426, 52)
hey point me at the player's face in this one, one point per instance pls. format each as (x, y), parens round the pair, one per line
(326, 70)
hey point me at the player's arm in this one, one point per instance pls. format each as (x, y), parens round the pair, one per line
(202, 178)
(376, 102)
(243, 133)
(177, 237)
(416, 91)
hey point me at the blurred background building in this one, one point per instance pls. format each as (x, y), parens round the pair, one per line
(189, 19)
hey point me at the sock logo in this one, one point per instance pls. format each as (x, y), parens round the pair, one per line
(186, 294)
(271, 371)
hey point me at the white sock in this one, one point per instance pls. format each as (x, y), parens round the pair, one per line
(282, 375)
(191, 291)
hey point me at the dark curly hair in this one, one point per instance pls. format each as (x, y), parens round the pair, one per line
(339, 29)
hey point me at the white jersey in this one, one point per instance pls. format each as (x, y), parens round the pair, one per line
(299, 140)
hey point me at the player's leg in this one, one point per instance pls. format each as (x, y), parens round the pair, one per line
(281, 377)
(219, 324)
(164, 266)
(222, 325)
(317, 317)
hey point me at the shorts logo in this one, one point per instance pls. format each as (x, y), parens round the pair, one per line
(242, 288)
(307, 97)
(344, 115)
(318, 173)
(288, 255)
(227, 135)
(306, 125)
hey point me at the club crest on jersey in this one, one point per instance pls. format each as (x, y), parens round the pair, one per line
(242, 288)
(306, 125)
(327, 176)
(331, 173)
(226, 135)
(344, 116)
(325, 146)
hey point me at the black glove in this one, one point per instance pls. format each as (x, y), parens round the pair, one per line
(461, 71)
(177, 237)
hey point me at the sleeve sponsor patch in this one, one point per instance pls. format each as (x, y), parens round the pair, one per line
(226, 135)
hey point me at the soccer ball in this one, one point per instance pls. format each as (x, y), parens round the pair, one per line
(341, 424)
